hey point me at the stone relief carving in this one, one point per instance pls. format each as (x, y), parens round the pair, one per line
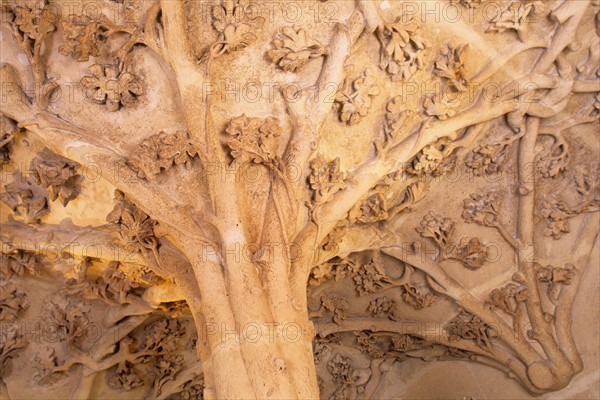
(402, 171)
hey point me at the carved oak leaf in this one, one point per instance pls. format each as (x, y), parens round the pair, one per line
(553, 159)
(82, 37)
(162, 151)
(355, 97)
(466, 326)
(471, 252)
(17, 263)
(112, 87)
(293, 49)
(557, 216)
(436, 227)
(382, 307)
(236, 26)
(46, 361)
(35, 22)
(370, 278)
(481, 209)
(373, 209)
(399, 121)
(26, 198)
(136, 228)
(13, 302)
(514, 16)
(402, 48)
(58, 175)
(325, 178)
(450, 65)
(8, 129)
(555, 277)
(11, 341)
(435, 159)
(508, 298)
(468, 3)
(488, 158)
(439, 106)
(124, 377)
(254, 140)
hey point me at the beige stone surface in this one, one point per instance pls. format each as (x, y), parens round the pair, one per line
(344, 199)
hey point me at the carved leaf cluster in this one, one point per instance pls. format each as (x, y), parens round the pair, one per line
(356, 96)
(254, 139)
(508, 298)
(135, 227)
(236, 25)
(402, 48)
(83, 36)
(13, 302)
(160, 152)
(26, 198)
(293, 47)
(450, 65)
(325, 178)
(466, 326)
(481, 208)
(18, 262)
(58, 175)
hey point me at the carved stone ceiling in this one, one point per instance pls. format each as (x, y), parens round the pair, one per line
(355, 199)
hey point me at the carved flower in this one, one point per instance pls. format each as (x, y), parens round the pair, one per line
(236, 26)
(82, 37)
(439, 106)
(449, 64)
(58, 175)
(436, 227)
(402, 48)
(293, 49)
(254, 139)
(481, 209)
(325, 178)
(355, 98)
(12, 301)
(557, 214)
(111, 87)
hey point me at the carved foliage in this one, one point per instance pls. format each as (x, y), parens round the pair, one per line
(293, 47)
(135, 227)
(254, 140)
(110, 86)
(356, 96)
(450, 65)
(508, 298)
(58, 175)
(17, 263)
(162, 151)
(466, 326)
(401, 48)
(325, 178)
(82, 37)
(13, 302)
(26, 199)
(236, 25)
(7, 131)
